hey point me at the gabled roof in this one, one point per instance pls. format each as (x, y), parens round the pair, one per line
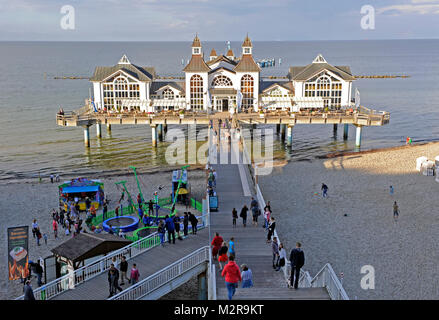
(268, 85)
(221, 58)
(157, 85)
(88, 245)
(197, 64)
(139, 73)
(303, 73)
(247, 64)
(221, 68)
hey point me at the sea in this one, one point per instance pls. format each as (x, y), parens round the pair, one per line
(32, 145)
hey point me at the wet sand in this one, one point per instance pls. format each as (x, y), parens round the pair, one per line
(354, 226)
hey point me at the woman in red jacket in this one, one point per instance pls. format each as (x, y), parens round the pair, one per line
(216, 243)
(233, 276)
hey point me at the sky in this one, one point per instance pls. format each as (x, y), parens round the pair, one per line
(217, 20)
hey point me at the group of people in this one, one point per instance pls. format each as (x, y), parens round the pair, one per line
(225, 253)
(172, 225)
(114, 274)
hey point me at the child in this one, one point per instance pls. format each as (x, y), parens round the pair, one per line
(45, 238)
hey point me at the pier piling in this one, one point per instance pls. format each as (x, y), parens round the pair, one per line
(108, 128)
(290, 135)
(358, 136)
(98, 131)
(154, 135)
(334, 130)
(87, 136)
(282, 131)
(346, 131)
(160, 132)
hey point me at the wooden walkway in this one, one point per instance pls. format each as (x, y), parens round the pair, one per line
(148, 263)
(250, 243)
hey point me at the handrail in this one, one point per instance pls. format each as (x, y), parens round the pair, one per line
(164, 276)
(83, 274)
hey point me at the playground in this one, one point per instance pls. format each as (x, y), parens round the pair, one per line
(138, 216)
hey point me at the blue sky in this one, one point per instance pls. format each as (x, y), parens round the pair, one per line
(217, 20)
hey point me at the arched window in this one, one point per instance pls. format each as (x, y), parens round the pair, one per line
(222, 81)
(323, 88)
(196, 92)
(247, 89)
(119, 89)
(168, 94)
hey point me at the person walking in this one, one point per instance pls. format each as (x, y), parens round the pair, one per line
(123, 270)
(325, 190)
(232, 276)
(112, 282)
(297, 260)
(104, 210)
(34, 227)
(282, 257)
(222, 254)
(267, 206)
(39, 272)
(171, 229)
(391, 190)
(194, 221)
(185, 224)
(254, 207)
(161, 231)
(232, 251)
(45, 239)
(395, 211)
(247, 277)
(234, 217)
(28, 292)
(275, 251)
(216, 244)
(177, 220)
(243, 215)
(271, 227)
(135, 274)
(38, 235)
(267, 216)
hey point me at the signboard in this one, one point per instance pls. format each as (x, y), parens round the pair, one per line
(18, 252)
(213, 202)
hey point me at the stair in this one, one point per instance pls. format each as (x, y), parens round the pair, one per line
(264, 293)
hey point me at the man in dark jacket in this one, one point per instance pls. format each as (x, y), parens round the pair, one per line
(171, 229)
(297, 259)
(113, 280)
(243, 215)
(123, 270)
(194, 221)
(185, 223)
(28, 292)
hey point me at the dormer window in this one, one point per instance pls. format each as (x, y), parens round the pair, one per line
(196, 50)
(247, 51)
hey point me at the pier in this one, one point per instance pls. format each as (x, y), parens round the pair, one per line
(359, 117)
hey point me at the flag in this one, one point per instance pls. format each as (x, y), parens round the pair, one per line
(357, 97)
(94, 106)
(209, 102)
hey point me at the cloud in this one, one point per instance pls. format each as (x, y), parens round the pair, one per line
(416, 7)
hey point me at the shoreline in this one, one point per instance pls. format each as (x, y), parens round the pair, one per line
(169, 168)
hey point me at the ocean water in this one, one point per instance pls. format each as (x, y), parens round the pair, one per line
(31, 143)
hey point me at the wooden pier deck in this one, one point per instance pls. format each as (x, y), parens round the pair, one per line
(362, 117)
(234, 190)
(148, 263)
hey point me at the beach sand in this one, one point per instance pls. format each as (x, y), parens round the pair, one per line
(404, 254)
(21, 202)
